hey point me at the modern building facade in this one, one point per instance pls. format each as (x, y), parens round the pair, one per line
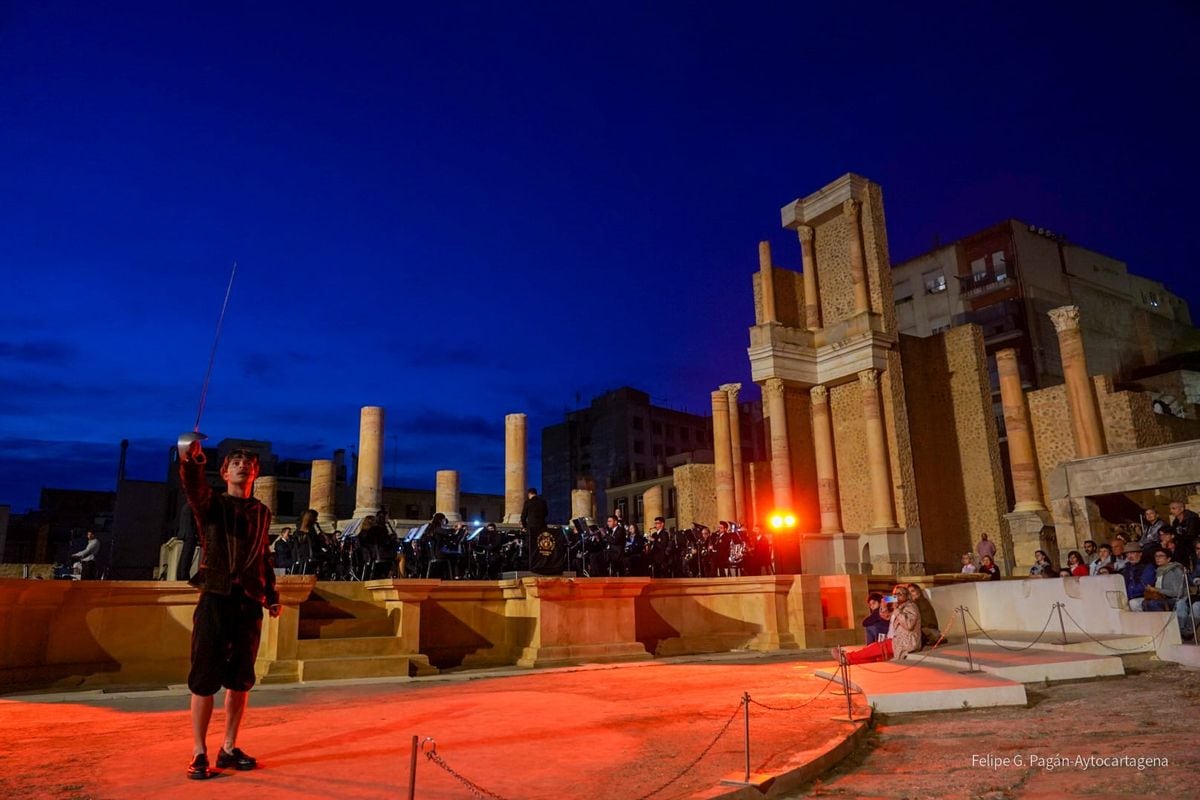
(1007, 277)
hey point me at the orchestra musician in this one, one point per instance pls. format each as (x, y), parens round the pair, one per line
(635, 551)
(615, 537)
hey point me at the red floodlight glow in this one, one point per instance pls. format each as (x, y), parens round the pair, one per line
(780, 520)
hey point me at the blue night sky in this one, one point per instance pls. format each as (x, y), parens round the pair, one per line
(462, 210)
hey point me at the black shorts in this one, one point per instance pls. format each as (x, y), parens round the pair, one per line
(225, 634)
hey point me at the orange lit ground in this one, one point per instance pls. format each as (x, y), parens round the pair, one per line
(603, 732)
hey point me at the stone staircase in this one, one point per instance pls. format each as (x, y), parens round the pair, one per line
(345, 633)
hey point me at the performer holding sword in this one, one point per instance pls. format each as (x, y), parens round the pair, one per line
(236, 579)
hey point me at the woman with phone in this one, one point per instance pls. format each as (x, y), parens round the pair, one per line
(903, 637)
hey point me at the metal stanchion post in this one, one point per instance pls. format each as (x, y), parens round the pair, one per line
(412, 771)
(760, 781)
(1061, 625)
(962, 610)
(846, 686)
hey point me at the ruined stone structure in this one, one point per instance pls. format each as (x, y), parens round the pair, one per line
(856, 442)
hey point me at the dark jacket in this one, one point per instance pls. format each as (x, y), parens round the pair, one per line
(234, 544)
(1137, 578)
(534, 513)
(283, 553)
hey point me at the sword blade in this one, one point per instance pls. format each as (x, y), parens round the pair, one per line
(212, 357)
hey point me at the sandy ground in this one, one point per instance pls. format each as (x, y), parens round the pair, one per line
(1152, 713)
(604, 732)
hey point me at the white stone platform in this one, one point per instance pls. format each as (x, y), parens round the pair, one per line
(1029, 666)
(897, 688)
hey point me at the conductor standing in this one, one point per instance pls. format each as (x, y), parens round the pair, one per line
(533, 514)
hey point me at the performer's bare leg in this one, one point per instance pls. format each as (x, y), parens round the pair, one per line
(235, 706)
(202, 708)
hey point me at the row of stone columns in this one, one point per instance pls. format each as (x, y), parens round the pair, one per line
(1086, 425)
(368, 494)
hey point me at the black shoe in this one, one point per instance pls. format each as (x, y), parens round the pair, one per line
(198, 769)
(237, 759)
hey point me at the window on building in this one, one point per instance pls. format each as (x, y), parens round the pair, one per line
(902, 292)
(999, 265)
(979, 269)
(658, 451)
(623, 504)
(671, 502)
(656, 427)
(585, 440)
(670, 431)
(639, 447)
(412, 511)
(640, 508)
(935, 281)
(638, 423)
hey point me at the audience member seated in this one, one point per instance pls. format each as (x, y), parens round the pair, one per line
(929, 621)
(989, 568)
(1040, 562)
(1188, 624)
(1104, 561)
(1075, 564)
(1166, 538)
(1089, 553)
(903, 637)
(1152, 525)
(968, 564)
(1170, 583)
(1137, 576)
(875, 625)
(1118, 551)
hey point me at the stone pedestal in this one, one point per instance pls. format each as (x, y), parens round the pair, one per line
(680, 616)
(583, 504)
(781, 461)
(277, 653)
(1081, 393)
(1030, 531)
(402, 599)
(580, 621)
(514, 468)
(446, 495)
(322, 485)
(723, 457)
(741, 513)
(652, 506)
(368, 494)
(266, 491)
(1027, 484)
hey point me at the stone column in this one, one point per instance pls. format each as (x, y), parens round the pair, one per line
(1081, 394)
(827, 489)
(583, 504)
(445, 497)
(882, 515)
(514, 468)
(1027, 485)
(368, 493)
(722, 457)
(781, 459)
(812, 300)
(321, 486)
(735, 444)
(766, 272)
(266, 491)
(858, 268)
(652, 506)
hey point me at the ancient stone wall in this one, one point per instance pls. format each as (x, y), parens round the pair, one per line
(789, 297)
(850, 453)
(878, 261)
(895, 419)
(696, 494)
(804, 461)
(834, 274)
(956, 454)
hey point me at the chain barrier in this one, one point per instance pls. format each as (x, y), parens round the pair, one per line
(988, 636)
(820, 691)
(1153, 638)
(432, 755)
(698, 758)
